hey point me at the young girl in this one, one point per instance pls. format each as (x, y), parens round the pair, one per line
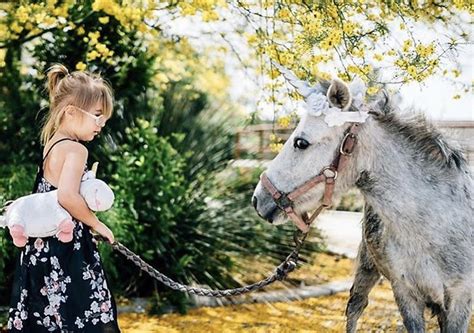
(62, 286)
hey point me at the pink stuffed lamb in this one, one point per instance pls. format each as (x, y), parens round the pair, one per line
(41, 215)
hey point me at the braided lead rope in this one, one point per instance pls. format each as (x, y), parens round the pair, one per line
(282, 270)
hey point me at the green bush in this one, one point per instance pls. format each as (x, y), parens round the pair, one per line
(15, 181)
(157, 214)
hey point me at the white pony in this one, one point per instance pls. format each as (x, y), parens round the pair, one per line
(418, 220)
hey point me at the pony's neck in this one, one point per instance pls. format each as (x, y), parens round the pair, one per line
(385, 172)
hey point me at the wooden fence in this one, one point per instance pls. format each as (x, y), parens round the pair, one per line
(253, 142)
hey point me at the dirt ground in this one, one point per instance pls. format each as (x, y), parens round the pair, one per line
(323, 314)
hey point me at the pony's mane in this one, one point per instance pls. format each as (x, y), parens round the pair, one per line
(421, 135)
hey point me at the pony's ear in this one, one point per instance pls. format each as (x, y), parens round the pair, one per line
(339, 95)
(382, 104)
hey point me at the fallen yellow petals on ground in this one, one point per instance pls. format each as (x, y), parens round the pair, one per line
(322, 314)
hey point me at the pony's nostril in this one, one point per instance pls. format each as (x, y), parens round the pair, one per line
(270, 215)
(254, 202)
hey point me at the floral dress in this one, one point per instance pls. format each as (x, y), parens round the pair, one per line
(61, 287)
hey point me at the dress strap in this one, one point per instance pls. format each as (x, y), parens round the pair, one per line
(49, 150)
(39, 174)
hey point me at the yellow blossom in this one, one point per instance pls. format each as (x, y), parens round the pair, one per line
(325, 76)
(349, 28)
(378, 57)
(406, 45)
(276, 147)
(92, 55)
(94, 36)
(39, 17)
(457, 96)
(283, 13)
(425, 51)
(22, 14)
(391, 52)
(284, 121)
(372, 90)
(187, 9)
(104, 19)
(80, 66)
(411, 70)
(252, 38)
(209, 15)
(358, 52)
(101, 48)
(15, 27)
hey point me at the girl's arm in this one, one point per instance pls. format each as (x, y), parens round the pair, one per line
(68, 189)
(69, 182)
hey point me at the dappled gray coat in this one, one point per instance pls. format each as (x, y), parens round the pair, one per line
(418, 219)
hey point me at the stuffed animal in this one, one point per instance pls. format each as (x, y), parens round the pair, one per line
(41, 215)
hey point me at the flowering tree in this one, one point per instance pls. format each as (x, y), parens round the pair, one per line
(354, 37)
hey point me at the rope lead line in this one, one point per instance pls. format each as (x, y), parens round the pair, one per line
(287, 266)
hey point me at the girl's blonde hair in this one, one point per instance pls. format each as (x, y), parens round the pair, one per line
(81, 89)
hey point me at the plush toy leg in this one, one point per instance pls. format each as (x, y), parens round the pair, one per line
(65, 231)
(18, 234)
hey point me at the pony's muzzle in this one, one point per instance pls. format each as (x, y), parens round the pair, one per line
(267, 212)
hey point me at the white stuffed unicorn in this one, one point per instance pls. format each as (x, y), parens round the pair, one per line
(41, 215)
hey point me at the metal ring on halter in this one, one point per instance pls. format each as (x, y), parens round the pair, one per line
(341, 147)
(332, 173)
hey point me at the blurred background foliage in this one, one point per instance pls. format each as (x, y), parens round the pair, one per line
(164, 151)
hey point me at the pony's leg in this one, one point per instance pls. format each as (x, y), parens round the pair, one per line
(458, 313)
(410, 308)
(442, 321)
(365, 279)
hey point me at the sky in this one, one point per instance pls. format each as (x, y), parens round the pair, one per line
(434, 96)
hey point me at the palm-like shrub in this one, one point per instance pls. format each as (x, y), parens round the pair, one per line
(173, 222)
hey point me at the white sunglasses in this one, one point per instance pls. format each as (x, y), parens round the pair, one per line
(99, 120)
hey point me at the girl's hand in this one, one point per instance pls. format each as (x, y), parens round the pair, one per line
(103, 230)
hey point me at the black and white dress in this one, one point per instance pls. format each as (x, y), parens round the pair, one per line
(61, 287)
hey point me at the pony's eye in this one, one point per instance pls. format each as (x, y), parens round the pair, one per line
(300, 143)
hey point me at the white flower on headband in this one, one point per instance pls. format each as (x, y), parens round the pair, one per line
(317, 105)
(338, 118)
(340, 97)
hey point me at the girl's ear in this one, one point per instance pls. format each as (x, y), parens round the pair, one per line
(69, 110)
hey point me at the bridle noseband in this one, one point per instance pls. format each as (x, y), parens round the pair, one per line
(328, 175)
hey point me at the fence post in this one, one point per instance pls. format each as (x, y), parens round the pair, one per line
(237, 145)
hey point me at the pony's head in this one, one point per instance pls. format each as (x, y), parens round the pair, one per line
(332, 108)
